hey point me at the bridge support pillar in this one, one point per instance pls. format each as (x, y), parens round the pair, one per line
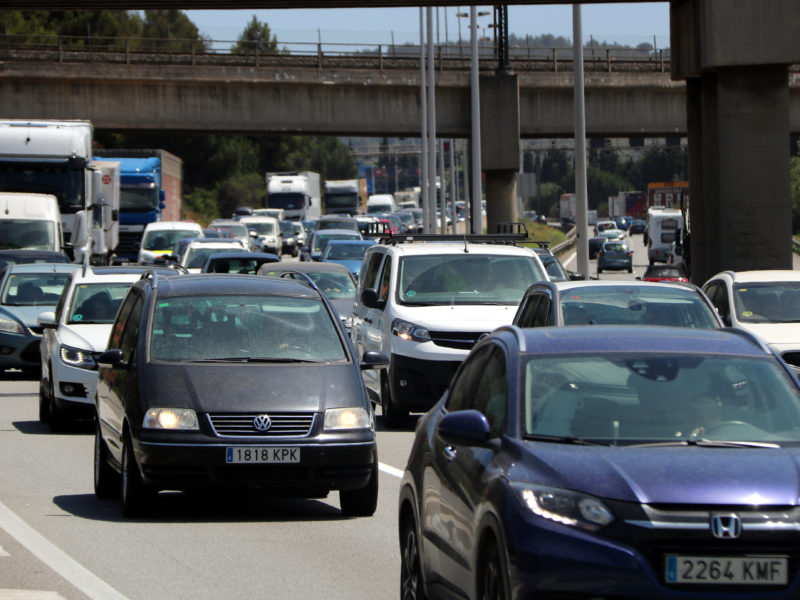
(738, 117)
(500, 146)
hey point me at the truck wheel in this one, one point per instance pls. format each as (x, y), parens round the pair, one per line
(393, 417)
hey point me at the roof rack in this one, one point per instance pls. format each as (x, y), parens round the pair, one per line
(507, 233)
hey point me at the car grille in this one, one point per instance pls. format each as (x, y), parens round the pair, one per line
(461, 340)
(129, 243)
(281, 424)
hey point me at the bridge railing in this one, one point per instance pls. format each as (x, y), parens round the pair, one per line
(449, 56)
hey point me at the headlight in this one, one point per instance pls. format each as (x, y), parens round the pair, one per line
(170, 418)
(11, 326)
(409, 331)
(347, 418)
(564, 506)
(75, 357)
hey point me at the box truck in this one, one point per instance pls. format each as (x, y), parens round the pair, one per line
(298, 193)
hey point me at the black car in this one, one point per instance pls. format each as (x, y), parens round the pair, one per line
(199, 389)
(11, 257)
(595, 244)
(289, 245)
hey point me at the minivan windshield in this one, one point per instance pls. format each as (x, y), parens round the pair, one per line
(240, 327)
(466, 279)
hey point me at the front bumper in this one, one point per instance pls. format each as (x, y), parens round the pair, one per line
(556, 561)
(416, 384)
(74, 388)
(19, 351)
(323, 466)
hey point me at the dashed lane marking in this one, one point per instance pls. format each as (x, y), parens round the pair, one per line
(59, 561)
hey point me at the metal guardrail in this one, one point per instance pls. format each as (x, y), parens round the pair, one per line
(450, 56)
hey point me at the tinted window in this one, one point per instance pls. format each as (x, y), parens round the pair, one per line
(618, 397)
(96, 302)
(462, 390)
(244, 327)
(491, 391)
(369, 272)
(130, 334)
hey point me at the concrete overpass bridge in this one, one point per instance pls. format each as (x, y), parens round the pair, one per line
(322, 93)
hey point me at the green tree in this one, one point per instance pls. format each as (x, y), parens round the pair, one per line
(172, 31)
(256, 37)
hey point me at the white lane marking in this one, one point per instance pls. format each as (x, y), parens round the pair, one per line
(570, 259)
(3, 554)
(60, 562)
(391, 470)
(29, 595)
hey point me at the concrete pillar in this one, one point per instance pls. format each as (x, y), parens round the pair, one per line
(734, 57)
(500, 187)
(740, 200)
(500, 152)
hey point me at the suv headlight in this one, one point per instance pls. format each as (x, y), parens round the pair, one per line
(409, 331)
(170, 418)
(564, 506)
(347, 418)
(11, 326)
(75, 357)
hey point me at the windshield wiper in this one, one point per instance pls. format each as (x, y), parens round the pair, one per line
(706, 443)
(559, 439)
(255, 359)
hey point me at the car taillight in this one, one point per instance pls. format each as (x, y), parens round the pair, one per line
(601, 253)
(627, 254)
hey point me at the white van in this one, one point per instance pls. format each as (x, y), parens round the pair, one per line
(380, 203)
(663, 228)
(159, 238)
(266, 231)
(30, 222)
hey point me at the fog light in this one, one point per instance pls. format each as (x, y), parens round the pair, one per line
(403, 383)
(6, 350)
(72, 389)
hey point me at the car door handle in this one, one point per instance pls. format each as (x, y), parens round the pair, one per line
(450, 452)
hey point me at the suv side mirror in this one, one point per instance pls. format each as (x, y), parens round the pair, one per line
(374, 360)
(370, 299)
(111, 358)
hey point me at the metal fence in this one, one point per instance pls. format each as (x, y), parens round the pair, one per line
(449, 56)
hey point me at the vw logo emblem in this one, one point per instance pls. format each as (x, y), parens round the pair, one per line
(726, 527)
(262, 423)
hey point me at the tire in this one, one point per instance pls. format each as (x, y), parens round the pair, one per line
(492, 583)
(363, 502)
(630, 269)
(295, 252)
(411, 587)
(106, 479)
(57, 421)
(599, 270)
(393, 417)
(44, 403)
(136, 498)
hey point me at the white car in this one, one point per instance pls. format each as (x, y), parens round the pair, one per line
(196, 252)
(426, 304)
(266, 231)
(766, 303)
(74, 336)
(159, 238)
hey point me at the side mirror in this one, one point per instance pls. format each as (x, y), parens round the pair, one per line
(47, 320)
(374, 360)
(253, 233)
(464, 427)
(369, 298)
(577, 277)
(110, 359)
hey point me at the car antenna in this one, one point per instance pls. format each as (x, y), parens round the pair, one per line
(466, 248)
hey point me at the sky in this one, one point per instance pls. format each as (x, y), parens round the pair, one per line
(626, 23)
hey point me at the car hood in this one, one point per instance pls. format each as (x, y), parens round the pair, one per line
(92, 337)
(670, 475)
(235, 387)
(26, 314)
(781, 336)
(460, 317)
(343, 306)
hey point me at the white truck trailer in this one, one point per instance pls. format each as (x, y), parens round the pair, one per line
(55, 157)
(298, 193)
